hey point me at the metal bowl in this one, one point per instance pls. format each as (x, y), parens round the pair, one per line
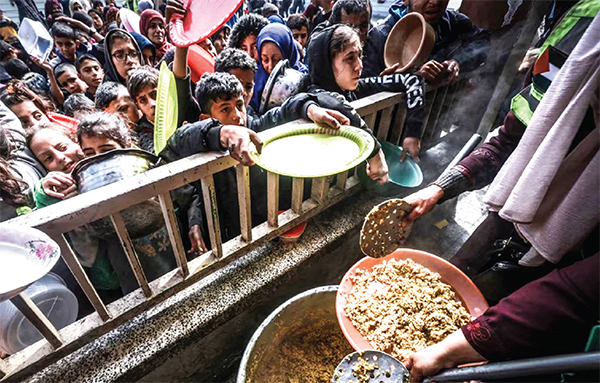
(117, 165)
(283, 83)
(308, 319)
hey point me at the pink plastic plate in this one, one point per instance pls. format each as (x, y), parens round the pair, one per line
(202, 19)
(465, 289)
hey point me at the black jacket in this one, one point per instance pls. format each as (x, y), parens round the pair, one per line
(456, 37)
(322, 78)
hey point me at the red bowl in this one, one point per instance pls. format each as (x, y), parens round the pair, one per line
(465, 289)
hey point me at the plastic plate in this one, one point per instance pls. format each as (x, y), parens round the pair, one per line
(202, 19)
(26, 255)
(165, 119)
(311, 150)
(465, 289)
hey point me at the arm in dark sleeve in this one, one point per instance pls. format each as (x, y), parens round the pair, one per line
(336, 101)
(411, 85)
(550, 316)
(373, 62)
(292, 109)
(187, 108)
(201, 136)
(480, 167)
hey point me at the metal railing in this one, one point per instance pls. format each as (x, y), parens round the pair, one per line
(384, 111)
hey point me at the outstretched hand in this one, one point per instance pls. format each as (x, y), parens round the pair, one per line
(422, 201)
(377, 168)
(390, 70)
(59, 185)
(198, 246)
(412, 146)
(237, 139)
(331, 118)
(174, 9)
(45, 65)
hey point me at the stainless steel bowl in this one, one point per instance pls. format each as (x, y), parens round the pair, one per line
(283, 83)
(117, 165)
(306, 320)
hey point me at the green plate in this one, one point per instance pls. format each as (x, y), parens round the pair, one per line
(311, 150)
(165, 119)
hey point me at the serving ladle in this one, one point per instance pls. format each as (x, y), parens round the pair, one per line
(384, 368)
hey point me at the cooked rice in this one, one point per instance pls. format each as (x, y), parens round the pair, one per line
(401, 307)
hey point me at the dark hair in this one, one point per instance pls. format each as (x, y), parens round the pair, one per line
(84, 18)
(269, 8)
(16, 68)
(217, 86)
(350, 7)
(60, 29)
(77, 105)
(118, 34)
(246, 25)
(107, 92)
(232, 58)
(97, 12)
(219, 31)
(11, 186)
(63, 68)
(83, 58)
(340, 40)
(297, 21)
(17, 92)
(81, 36)
(5, 49)
(96, 3)
(140, 78)
(101, 124)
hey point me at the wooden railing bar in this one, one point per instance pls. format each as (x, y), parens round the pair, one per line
(212, 215)
(69, 214)
(376, 102)
(81, 277)
(243, 188)
(4, 369)
(166, 205)
(320, 188)
(340, 182)
(297, 195)
(37, 319)
(370, 121)
(398, 129)
(384, 123)
(273, 199)
(134, 262)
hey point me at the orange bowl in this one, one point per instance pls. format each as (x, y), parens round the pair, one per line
(465, 289)
(409, 43)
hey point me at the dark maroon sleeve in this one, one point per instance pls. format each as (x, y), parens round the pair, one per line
(480, 167)
(550, 316)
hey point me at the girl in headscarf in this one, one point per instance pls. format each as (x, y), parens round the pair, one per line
(79, 6)
(52, 9)
(275, 43)
(153, 26)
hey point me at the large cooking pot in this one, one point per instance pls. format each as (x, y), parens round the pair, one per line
(300, 341)
(117, 165)
(283, 83)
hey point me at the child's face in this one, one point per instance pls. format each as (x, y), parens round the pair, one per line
(230, 112)
(98, 23)
(347, 66)
(249, 46)
(124, 105)
(71, 82)
(146, 102)
(67, 47)
(301, 35)
(55, 151)
(246, 77)
(96, 145)
(220, 40)
(270, 55)
(91, 73)
(125, 56)
(29, 114)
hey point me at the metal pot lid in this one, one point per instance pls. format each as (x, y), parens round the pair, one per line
(279, 70)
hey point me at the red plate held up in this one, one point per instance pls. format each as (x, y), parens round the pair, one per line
(202, 19)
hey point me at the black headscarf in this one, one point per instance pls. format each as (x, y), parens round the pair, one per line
(109, 66)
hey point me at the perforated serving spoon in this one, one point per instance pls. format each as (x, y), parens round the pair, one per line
(349, 369)
(382, 231)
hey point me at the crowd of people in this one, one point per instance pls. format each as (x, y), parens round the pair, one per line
(97, 91)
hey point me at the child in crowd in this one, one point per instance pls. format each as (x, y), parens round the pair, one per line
(67, 78)
(238, 63)
(245, 32)
(112, 97)
(141, 85)
(220, 37)
(78, 106)
(66, 43)
(121, 54)
(298, 24)
(90, 71)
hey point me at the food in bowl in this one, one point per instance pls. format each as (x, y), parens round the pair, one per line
(401, 307)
